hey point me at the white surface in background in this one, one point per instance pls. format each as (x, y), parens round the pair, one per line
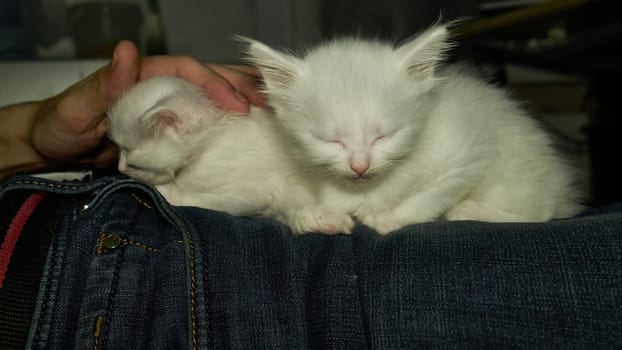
(26, 81)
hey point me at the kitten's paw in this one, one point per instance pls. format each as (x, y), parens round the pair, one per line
(322, 219)
(383, 223)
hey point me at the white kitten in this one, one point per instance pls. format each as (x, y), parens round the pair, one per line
(360, 129)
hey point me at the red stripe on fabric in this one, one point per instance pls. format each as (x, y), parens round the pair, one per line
(14, 230)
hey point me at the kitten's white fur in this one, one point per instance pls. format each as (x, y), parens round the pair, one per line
(359, 129)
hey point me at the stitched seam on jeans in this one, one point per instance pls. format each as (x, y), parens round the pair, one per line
(111, 298)
(193, 292)
(127, 242)
(65, 187)
(141, 201)
(97, 331)
(101, 249)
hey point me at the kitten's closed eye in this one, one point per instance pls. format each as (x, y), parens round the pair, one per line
(333, 141)
(342, 144)
(338, 143)
(384, 136)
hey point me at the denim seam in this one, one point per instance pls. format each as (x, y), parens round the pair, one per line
(97, 329)
(123, 242)
(52, 185)
(193, 292)
(111, 298)
(206, 295)
(157, 200)
(141, 201)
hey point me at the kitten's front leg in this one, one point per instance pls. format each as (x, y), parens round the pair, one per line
(422, 207)
(429, 204)
(383, 222)
(321, 219)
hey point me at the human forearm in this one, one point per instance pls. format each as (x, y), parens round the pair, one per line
(17, 153)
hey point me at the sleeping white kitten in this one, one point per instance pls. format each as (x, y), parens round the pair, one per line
(171, 135)
(359, 129)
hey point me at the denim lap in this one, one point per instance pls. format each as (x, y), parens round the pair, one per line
(128, 271)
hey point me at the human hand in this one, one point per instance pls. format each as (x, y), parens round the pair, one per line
(70, 127)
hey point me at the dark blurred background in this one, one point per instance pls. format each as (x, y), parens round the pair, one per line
(562, 57)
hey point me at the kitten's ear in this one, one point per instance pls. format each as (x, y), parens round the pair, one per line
(278, 69)
(176, 114)
(159, 119)
(420, 56)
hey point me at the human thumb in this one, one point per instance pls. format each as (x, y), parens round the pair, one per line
(123, 70)
(72, 124)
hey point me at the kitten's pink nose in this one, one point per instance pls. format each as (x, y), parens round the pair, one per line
(359, 163)
(360, 169)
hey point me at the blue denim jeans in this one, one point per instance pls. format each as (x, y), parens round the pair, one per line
(127, 271)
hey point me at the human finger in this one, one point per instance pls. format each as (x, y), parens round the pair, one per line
(215, 86)
(245, 79)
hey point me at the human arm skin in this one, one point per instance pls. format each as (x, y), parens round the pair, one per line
(18, 153)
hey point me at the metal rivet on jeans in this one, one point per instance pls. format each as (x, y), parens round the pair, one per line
(111, 241)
